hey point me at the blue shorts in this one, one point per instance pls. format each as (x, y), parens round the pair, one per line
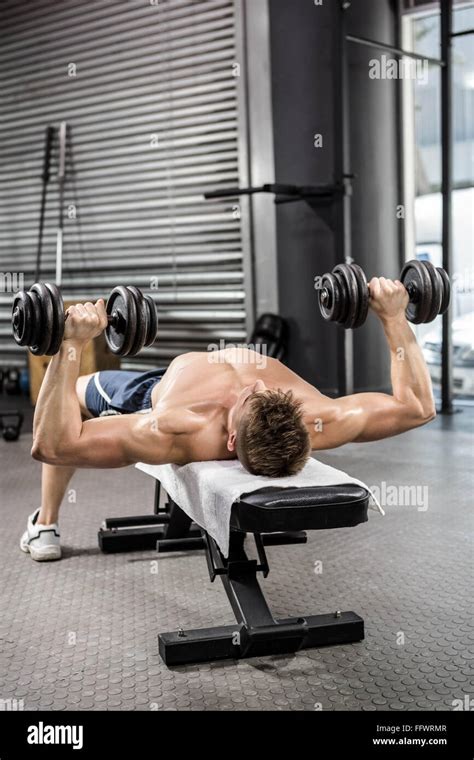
(121, 392)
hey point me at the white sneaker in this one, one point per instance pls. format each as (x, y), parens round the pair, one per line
(41, 541)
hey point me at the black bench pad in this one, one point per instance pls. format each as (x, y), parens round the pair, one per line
(273, 509)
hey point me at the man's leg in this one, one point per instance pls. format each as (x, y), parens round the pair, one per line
(41, 538)
(54, 481)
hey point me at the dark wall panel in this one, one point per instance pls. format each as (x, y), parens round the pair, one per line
(302, 101)
(304, 52)
(375, 227)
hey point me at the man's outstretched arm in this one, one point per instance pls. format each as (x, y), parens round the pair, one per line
(60, 436)
(366, 417)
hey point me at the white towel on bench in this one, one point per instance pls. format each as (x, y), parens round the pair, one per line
(207, 490)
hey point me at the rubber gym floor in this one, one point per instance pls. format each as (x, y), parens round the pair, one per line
(82, 633)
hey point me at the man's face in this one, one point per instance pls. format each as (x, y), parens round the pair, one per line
(238, 410)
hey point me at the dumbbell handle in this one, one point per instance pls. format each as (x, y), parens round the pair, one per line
(412, 291)
(116, 318)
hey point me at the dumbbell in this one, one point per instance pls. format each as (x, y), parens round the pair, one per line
(38, 320)
(344, 293)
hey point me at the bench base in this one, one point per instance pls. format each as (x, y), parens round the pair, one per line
(234, 642)
(256, 632)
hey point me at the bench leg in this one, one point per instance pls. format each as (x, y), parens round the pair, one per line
(281, 637)
(256, 632)
(171, 528)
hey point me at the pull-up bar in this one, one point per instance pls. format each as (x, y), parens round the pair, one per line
(391, 49)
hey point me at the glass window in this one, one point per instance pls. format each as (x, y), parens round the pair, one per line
(423, 172)
(463, 18)
(427, 35)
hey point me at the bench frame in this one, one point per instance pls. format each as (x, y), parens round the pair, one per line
(256, 632)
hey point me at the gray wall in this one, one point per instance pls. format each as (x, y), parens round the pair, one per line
(303, 55)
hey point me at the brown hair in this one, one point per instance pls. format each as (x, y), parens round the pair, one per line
(272, 438)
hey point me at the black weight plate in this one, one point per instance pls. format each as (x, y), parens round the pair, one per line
(330, 308)
(153, 322)
(36, 321)
(352, 289)
(120, 337)
(21, 325)
(57, 331)
(142, 321)
(43, 329)
(363, 290)
(414, 274)
(343, 298)
(446, 290)
(437, 291)
(326, 298)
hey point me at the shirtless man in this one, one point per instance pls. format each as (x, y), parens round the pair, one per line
(218, 405)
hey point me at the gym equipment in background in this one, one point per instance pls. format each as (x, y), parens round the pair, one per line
(45, 177)
(10, 425)
(271, 335)
(11, 382)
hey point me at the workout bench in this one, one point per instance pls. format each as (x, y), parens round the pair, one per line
(274, 516)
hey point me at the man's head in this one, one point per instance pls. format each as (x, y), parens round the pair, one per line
(267, 432)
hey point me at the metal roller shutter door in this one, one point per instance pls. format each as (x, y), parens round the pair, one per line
(145, 73)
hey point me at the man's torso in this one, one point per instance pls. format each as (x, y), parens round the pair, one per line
(193, 397)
